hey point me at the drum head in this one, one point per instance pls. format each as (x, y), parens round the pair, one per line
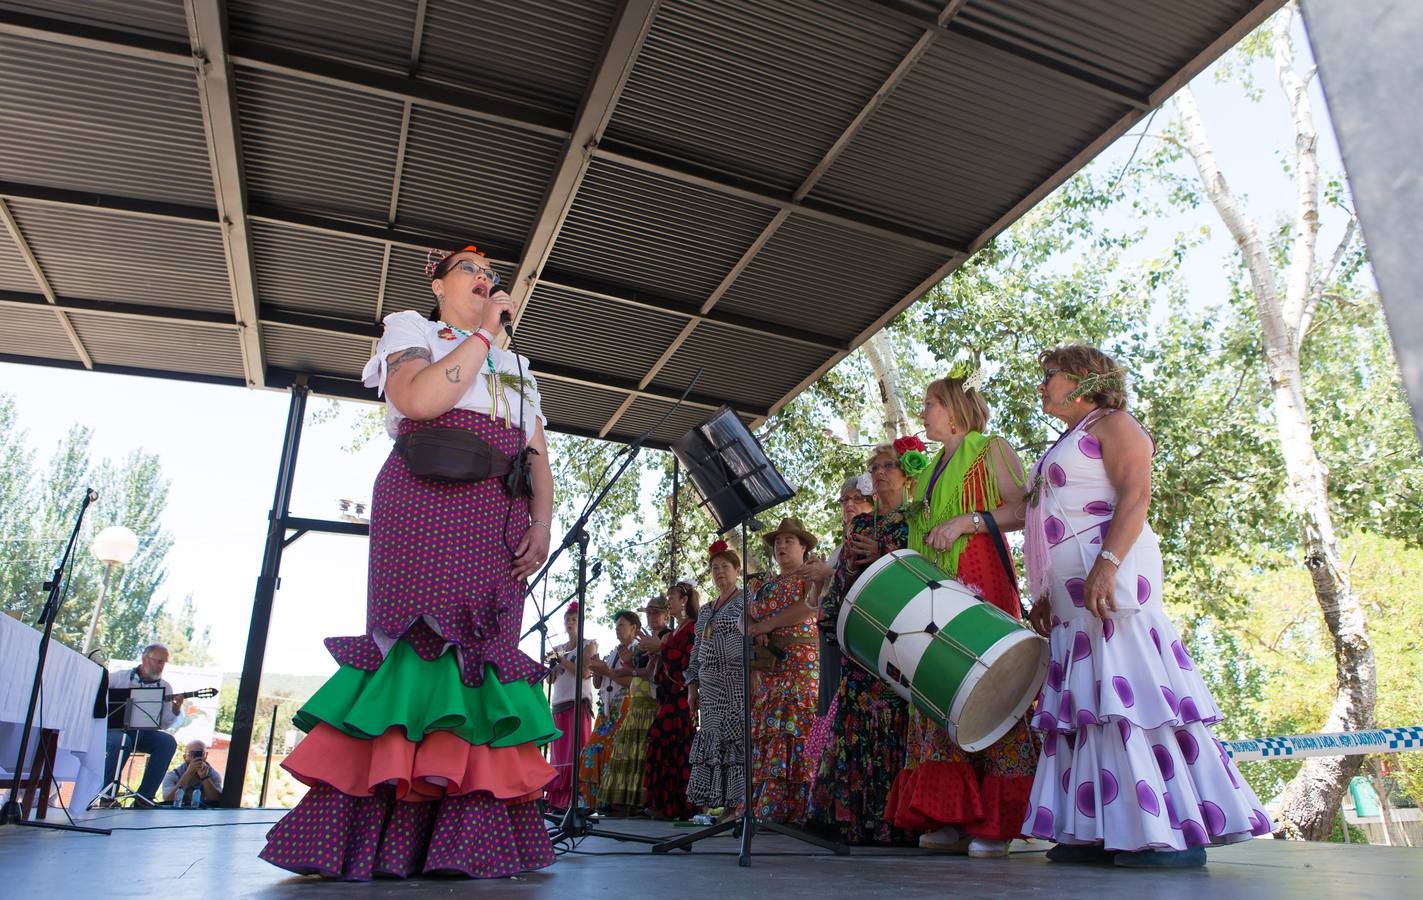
(1002, 692)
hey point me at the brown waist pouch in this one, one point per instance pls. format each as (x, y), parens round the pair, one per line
(451, 454)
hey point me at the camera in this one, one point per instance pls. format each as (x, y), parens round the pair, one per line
(199, 754)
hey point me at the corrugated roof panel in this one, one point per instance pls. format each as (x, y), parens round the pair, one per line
(577, 330)
(747, 369)
(14, 274)
(406, 286)
(26, 331)
(89, 121)
(577, 405)
(163, 18)
(304, 350)
(374, 32)
(646, 413)
(536, 51)
(639, 229)
(759, 91)
(98, 255)
(165, 346)
(465, 177)
(317, 148)
(317, 273)
(807, 262)
(975, 159)
(1136, 45)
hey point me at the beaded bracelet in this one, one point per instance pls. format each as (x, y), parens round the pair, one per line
(540, 522)
(488, 347)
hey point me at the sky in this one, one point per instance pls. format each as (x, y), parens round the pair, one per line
(220, 445)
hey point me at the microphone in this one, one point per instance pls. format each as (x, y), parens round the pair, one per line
(508, 322)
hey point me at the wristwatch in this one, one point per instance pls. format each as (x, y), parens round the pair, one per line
(977, 522)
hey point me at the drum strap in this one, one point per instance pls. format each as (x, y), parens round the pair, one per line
(1004, 557)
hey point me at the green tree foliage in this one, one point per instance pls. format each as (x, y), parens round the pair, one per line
(37, 512)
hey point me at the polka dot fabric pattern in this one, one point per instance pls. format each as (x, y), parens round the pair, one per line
(358, 838)
(1128, 758)
(783, 710)
(440, 564)
(435, 703)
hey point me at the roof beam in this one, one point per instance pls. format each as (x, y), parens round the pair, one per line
(120, 309)
(402, 237)
(46, 290)
(362, 79)
(545, 369)
(96, 38)
(926, 16)
(620, 51)
(837, 147)
(681, 171)
(207, 32)
(569, 281)
(150, 209)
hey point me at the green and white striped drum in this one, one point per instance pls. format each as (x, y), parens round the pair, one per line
(961, 660)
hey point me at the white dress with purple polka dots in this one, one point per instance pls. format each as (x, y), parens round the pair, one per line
(1128, 757)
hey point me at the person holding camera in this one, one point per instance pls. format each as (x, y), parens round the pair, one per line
(193, 784)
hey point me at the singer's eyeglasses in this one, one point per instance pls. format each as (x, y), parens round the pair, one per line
(1048, 373)
(471, 268)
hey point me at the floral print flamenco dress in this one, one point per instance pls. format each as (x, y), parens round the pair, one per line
(866, 748)
(783, 709)
(422, 751)
(1128, 759)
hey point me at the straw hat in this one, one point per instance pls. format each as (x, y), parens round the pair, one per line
(790, 525)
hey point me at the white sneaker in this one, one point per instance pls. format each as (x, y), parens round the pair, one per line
(943, 839)
(979, 848)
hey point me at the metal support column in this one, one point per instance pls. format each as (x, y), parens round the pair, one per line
(262, 605)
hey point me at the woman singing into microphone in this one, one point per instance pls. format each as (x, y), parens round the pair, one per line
(422, 750)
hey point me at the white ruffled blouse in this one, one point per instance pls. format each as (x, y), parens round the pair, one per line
(494, 395)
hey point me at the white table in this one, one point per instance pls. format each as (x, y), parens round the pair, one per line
(70, 685)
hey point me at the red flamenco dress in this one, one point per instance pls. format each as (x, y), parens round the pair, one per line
(422, 751)
(669, 740)
(984, 794)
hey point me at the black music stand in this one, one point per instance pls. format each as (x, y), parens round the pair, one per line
(131, 710)
(736, 480)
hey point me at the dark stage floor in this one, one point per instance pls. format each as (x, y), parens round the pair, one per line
(221, 861)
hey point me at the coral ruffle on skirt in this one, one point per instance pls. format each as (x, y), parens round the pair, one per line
(1128, 758)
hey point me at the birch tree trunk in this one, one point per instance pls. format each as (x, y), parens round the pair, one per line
(886, 370)
(1284, 302)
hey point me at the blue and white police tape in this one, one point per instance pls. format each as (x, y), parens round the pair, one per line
(1347, 743)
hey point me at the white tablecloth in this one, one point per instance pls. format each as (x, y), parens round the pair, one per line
(70, 685)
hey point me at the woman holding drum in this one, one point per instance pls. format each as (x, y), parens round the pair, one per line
(973, 482)
(1129, 772)
(783, 707)
(866, 745)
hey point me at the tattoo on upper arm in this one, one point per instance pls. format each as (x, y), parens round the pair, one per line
(405, 356)
(452, 374)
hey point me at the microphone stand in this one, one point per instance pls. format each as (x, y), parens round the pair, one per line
(576, 821)
(12, 813)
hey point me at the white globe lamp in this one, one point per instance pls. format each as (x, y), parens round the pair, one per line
(114, 546)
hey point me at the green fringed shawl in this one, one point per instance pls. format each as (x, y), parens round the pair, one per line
(967, 475)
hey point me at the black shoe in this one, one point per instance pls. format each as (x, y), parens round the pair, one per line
(1191, 858)
(1088, 854)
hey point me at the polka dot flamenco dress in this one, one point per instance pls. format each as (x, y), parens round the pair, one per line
(421, 752)
(1128, 759)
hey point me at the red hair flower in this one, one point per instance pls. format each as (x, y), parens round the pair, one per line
(908, 442)
(718, 547)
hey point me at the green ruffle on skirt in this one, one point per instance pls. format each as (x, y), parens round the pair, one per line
(422, 696)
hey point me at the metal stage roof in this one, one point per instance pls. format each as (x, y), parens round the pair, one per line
(238, 192)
